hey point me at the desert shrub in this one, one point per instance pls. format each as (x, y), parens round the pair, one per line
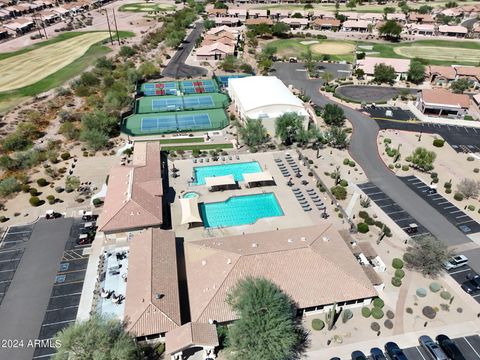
(391, 167)
(409, 310)
(339, 192)
(378, 303)
(35, 201)
(459, 310)
(377, 313)
(59, 189)
(399, 273)
(396, 282)
(476, 170)
(65, 156)
(25, 188)
(388, 324)
(347, 314)
(369, 221)
(445, 295)
(3, 219)
(97, 202)
(42, 182)
(33, 192)
(346, 161)
(458, 196)
(362, 228)
(448, 191)
(363, 214)
(318, 324)
(405, 167)
(470, 158)
(9, 186)
(421, 292)
(375, 326)
(352, 163)
(429, 312)
(51, 199)
(447, 185)
(387, 141)
(366, 312)
(343, 183)
(471, 207)
(397, 263)
(435, 287)
(438, 142)
(390, 314)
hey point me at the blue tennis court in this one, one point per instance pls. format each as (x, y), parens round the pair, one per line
(172, 122)
(198, 101)
(160, 105)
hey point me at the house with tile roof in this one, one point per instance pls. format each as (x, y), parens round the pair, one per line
(443, 103)
(294, 259)
(134, 195)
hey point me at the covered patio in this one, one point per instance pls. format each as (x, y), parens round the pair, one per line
(216, 183)
(190, 213)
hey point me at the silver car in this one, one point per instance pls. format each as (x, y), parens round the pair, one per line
(433, 350)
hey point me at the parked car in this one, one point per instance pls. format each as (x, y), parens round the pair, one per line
(472, 285)
(449, 347)
(358, 355)
(377, 354)
(432, 348)
(455, 262)
(394, 351)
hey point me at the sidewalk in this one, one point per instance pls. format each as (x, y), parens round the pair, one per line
(404, 340)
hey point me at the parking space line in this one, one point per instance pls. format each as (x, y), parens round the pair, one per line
(9, 260)
(395, 212)
(71, 272)
(69, 283)
(456, 211)
(423, 357)
(437, 198)
(382, 206)
(468, 342)
(6, 270)
(57, 296)
(412, 178)
(5, 251)
(43, 356)
(18, 232)
(474, 296)
(67, 307)
(421, 234)
(421, 187)
(458, 217)
(59, 322)
(459, 271)
(465, 222)
(449, 207)
(444, 202)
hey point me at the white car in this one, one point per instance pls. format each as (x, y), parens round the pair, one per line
(455, 262)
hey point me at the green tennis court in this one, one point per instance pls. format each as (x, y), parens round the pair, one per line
(156, 104)
(161, 123)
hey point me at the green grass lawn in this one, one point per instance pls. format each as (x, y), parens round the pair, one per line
(445, 47)
(146, 7)
(182, 141)
(294, 48)
(9, 99)
(198, 147)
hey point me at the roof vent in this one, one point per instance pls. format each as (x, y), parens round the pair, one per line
(158, 296)
(204, 262)
(290, 240)
(131, 214)
(303, 238)
(326, 239)
(254, 245)
(229, 261)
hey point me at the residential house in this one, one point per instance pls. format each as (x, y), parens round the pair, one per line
(215, 51)
(440, 75)
(351, 15)
(222, 30)
(255, 14)
(214, 13)
(296, 23)
(4, 14)
(417, 18)
(279, 14)
(370, 17)
(48, 16)
(356, 25)
(4, 33)
(134, 195)
(441, 102)
(152, 300)
(226, 39)
(421, 29)
(326, 24)
(258, 21)
(20, 26)
(192, 335)
(398, 17)
(240, 14)
(453, 30)
(294, 259)
(471, 73)
(400, 66)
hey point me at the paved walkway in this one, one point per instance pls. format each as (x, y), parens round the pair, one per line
(363, 148)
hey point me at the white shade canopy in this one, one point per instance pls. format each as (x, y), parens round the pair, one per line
(190, 212)
(257, 177)
(220, 180)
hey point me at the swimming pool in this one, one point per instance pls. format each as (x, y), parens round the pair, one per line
(237, 170)
(240, 210)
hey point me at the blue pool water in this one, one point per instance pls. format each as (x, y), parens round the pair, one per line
(201, 172)
(240, 210)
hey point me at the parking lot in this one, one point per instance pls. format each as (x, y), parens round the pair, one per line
(65, 297)
(394, 211)
(468, 345)
(460, 138)
(451, 212)
(380, 113)
(370, 94)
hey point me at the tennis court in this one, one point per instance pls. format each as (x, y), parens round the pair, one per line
(223, 79)
(160, 123)
(160, 88)
(198, 86)
(155, 104)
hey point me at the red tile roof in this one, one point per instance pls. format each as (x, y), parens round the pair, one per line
(445, 97)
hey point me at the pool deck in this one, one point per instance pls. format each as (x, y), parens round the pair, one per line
(294, 216)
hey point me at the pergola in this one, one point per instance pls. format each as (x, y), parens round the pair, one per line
(220, 182)
(258, 179)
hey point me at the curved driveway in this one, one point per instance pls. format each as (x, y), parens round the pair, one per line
(363, 148)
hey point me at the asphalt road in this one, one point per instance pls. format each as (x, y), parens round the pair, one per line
(23, 307)
(177, 68)
(363, 148)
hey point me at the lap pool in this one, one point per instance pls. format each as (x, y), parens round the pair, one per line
(237, 170)
(240, 210)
